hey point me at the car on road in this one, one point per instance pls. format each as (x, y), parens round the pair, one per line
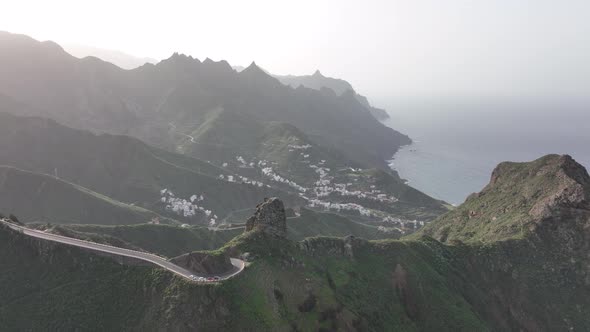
(216, 278)
(210, 279)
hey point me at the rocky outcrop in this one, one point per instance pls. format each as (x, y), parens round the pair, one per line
(571, 190)
(522, 200)
(269, 218)
(204, 263)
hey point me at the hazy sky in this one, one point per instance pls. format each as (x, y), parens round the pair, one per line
(424, 48)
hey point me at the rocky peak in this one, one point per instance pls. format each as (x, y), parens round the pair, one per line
(269, 218)
(179, 62)
(317, 74)
(549, 183)
(571, 190)
(253, 70)
(522, 199)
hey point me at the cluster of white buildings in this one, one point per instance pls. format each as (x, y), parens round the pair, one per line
(340, 207)
(241, 179)
(403, 224)
(293, 147)
(324, 188)
(268, 172)
(242, 162)
(186, 208)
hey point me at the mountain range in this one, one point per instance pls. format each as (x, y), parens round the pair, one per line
(316, 81)
(226, 138)
(162, 103)
(198, 163)
(118, 58)
(320, 82)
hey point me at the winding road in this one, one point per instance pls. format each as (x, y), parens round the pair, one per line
(144, 256)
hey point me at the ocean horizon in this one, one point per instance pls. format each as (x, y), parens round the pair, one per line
(456, 146)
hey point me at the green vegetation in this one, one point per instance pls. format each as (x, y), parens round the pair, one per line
(200, 109)
(44, 279)
(312, 223)
(172, 241)
(509, 206)
(37, 197)
(514, 257)
(182, 91)
(322, 283)
(224, 135)
(121, 168)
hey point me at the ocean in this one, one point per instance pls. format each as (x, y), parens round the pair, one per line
(458, 144)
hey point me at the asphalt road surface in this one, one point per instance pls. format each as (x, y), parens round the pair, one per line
(154, 259)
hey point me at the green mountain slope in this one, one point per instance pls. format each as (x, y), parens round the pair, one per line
(311, 224)
(247, 147)
(512, 282)
(130, 171)
(516, 202)
(38, 197)
(55, 287)
(147, 298)
(122, 167)
(309, 147)
(91, 94)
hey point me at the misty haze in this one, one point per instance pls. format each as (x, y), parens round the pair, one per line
(310, 166)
